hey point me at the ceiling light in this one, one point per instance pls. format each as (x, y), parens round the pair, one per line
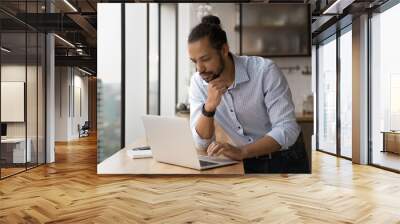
(337, 7)
(70, 5)
(5, 50)
(84, 71)
(65, 41)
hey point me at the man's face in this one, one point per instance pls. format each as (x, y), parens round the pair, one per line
(209, 61)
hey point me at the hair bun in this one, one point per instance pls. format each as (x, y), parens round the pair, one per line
(210, 19)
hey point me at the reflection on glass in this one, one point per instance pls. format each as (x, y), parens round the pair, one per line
(385, 85)
(22, 91)
(14, 150)
(346, 94)
(327, 96)
(109, 113)
(109, 80)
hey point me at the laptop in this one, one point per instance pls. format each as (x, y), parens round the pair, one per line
(171, 142)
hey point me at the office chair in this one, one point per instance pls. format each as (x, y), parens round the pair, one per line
(84, 130)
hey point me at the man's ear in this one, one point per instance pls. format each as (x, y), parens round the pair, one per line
(225, 50)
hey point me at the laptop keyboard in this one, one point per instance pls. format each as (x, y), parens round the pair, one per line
(206, 163)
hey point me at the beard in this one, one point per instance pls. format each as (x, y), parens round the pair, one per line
(219, 71)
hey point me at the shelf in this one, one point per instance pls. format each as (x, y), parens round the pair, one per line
(270, 28)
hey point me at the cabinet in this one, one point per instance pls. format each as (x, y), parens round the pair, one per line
(275, 30)
(391, 141)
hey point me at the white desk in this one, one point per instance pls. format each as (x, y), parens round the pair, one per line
(121, 163)
(19, 149)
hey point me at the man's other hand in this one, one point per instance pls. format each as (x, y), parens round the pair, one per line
(226, 149)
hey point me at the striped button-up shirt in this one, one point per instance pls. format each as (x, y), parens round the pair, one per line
(258, 103)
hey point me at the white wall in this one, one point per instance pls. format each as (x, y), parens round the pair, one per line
(168, 55)
(33, 126)
(62, 81)
(80, 83)
(136, 70)
(12, 73)
(300, 85)
(185, 69)
(68, 83)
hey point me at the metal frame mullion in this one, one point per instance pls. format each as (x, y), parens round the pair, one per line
(0, 94)
(37, 90)
(122, 75)
(159, 59)
(26, 87)
(148, 59)
(317, 89)
(369, 103)
(176, 54)
(338, 94)
(317, 97)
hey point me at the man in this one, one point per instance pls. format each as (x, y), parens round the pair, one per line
(249, 98)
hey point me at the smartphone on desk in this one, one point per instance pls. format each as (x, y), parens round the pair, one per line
(141, 148)
(140, 152)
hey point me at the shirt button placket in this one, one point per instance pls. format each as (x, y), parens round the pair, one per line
(232, 112)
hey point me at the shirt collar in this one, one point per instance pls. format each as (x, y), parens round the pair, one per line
(241, 74)
(240, 71)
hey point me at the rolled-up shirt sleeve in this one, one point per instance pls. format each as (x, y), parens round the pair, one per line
(197, 98)
(278, 100)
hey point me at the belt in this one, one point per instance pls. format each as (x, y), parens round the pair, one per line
(297, 147)
(273, 154)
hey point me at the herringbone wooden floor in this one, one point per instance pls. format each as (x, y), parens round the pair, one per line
(69, 191)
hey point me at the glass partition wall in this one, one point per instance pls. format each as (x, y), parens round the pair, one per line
(385, 89)
(22, 88)
(327, 95)
(345, 63)
(334, 94)
(109, 79)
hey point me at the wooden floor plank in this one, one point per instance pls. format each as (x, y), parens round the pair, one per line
(70, 191)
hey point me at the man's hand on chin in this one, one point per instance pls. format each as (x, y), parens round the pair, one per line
(226, 149)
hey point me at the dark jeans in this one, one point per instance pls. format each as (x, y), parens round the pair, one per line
(292, 160)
